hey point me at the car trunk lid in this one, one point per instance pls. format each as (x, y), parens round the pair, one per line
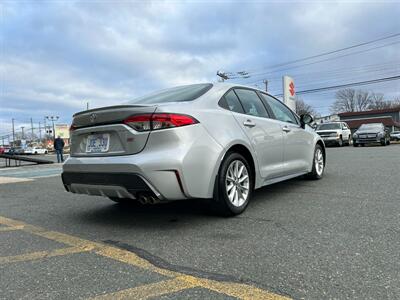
(102, 132)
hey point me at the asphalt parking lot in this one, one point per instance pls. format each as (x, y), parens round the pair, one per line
(337, 238)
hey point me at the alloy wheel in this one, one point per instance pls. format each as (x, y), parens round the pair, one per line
(237, 183)
(319, 161)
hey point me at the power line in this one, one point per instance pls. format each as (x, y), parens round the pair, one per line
(388, 66)
(345, 85)
(322, 60)
(319, 55)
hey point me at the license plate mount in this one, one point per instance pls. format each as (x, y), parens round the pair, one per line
(98, 143)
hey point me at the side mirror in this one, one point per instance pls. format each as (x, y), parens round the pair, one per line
(306, 119)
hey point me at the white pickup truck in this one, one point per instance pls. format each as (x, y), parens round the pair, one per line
(337, 133)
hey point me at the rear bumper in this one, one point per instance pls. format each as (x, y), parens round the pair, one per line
(175, 164)
(111, 178)
(120, 185)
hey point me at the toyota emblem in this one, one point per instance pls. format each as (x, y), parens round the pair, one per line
(93, 117)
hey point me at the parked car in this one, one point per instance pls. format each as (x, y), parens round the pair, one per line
(15, 151)
(35, 150)
(395, 136)
(2, 150)
(371, 133)
(211, 141)
(6, 150)
(337, 133)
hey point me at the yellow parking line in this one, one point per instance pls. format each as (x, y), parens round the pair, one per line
(240, 291)
(41, 254)
(150, 290)
(134, 260)
(180, 281)
(12, 228)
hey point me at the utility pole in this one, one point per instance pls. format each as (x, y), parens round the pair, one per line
(22, 127)
(40, 133)
(13, 134)
(31, 130)
(87, 105)
(266, 85)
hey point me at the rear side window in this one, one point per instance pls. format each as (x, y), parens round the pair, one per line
(176, 94)
(230, 101)
(281, 112)
(251, 103)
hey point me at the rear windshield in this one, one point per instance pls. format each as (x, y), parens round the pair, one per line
(371, 126)
(328, 126)
(175, 94)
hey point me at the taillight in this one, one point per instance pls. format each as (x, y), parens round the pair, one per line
(139, 122)
(157, 121)
(72, 128)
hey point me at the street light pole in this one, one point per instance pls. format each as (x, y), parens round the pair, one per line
(53, 119)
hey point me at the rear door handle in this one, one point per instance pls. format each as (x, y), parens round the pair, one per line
(286, 129)
(249, 123)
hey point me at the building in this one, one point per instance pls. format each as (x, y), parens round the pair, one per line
(62, 130)
(389, 117)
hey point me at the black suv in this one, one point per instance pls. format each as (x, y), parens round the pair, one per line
(371, 133)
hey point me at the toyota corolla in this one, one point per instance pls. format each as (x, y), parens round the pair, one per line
(208, 141)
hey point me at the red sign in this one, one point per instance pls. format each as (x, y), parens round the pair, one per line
(291, 88)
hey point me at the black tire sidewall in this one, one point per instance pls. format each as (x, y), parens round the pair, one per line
(226, 206)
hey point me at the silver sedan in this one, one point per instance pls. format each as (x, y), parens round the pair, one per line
(210, 141)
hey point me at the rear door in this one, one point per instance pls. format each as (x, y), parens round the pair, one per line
(265, 134)
(298, 143)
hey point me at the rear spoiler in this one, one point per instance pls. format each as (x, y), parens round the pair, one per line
(106, 107)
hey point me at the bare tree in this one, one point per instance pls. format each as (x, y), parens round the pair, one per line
(378, 102)
(304, 108)
(363, 100)
(345, 101)
(350, 100)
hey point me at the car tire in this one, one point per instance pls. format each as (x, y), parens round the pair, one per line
(349, 141)
(340, 142)
(318, 164)
(233, 185)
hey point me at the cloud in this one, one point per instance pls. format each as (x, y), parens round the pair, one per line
(57, 55)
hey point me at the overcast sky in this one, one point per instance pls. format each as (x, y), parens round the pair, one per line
(57, 55)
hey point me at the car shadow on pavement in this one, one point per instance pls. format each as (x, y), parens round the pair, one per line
(179, 213)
